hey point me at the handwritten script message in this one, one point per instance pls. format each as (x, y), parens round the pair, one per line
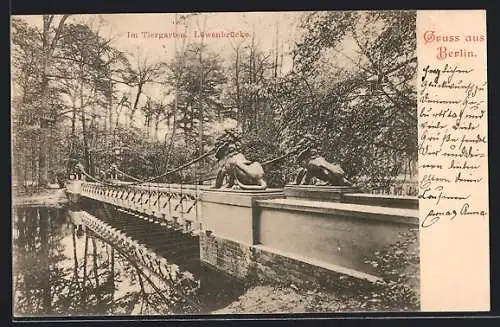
(452, 135)
(453, 160)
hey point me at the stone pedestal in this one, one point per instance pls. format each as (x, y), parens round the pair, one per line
(232, 214)
(317, 193)
(73, 190)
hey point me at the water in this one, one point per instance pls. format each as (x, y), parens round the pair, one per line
(63, 268)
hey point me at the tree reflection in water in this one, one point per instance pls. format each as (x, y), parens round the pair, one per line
(62, 270)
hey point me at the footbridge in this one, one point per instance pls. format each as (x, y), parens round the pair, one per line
(306, 232)
(175, 206)
(302, 233)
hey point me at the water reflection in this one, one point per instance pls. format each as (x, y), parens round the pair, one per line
(63, 268)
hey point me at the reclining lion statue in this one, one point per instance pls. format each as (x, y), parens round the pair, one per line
(314, 166)
(238, 171)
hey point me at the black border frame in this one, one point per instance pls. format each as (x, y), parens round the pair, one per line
(21, 7)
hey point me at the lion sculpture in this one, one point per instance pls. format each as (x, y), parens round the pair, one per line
(315, 167)
(238, 171)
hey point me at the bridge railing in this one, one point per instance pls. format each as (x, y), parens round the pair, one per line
(176, 205)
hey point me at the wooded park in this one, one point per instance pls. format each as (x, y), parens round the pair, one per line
(346, 78)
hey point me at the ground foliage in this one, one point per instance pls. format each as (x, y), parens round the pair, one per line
(398, 265)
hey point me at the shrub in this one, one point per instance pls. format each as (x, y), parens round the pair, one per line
(399, 267)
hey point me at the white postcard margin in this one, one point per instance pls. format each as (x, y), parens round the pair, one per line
(453, 160)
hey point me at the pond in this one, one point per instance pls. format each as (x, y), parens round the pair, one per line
(61, 268)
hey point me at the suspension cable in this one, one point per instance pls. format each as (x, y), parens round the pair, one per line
(98, 180)
(156, 177)
(265, 163)
(195, 160)
(178, 168)
(294, 150)
(129, 176)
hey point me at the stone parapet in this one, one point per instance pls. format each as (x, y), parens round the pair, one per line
(340, 234)
(232, 214)
(380, 200)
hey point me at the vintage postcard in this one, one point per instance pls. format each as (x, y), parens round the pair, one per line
(249, 163)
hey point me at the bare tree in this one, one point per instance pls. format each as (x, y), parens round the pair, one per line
(145, 72)
(50, 38)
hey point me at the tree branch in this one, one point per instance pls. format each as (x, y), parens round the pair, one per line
(58, 32)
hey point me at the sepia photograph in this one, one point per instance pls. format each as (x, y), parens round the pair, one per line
(214, 163)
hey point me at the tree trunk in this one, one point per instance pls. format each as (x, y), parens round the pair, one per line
(25, 166)
(110, 117)
(147, 123)
(84, 127)
(48, 47)
(42, 158)
(85, 142)
(34, 163)
(136, 102)
(157, 125)
(200, 99)
(73, 138)
(277, 52)
(237, 82)
(44, 99)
